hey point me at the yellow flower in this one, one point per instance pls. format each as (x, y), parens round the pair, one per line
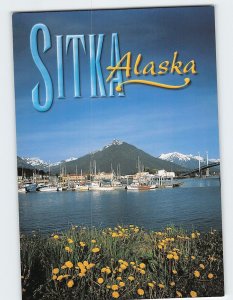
(115, 287)
(85, 263)
(108, 286)
(132, 263)
(170, 256)
(202, 266)
(161, 286)
(70, 241)
(115, 295)
(210, 275)
(178, 294)
(70, 283)
(103, 270)
(119, 278)
(100, 280)
(81, 265)
(143, 272)
(193, 294)
(172, 283)
(91, 265)
(69, 264)
(131, 278)
(93, 241)
(150, 284)
(56, 237)
(197, 274)
(63, 267)
(125, 263)
(114, 234)
(68, 249)
(82, 244)
(54, 277)
(59, 278)
(142, 266)
(176, 257)
(140, 292)
(121, 284)
(55, 271)
(123, 266)
(193, 257)
(81, 274)
(174, 272)
(95, 250)
(193, 235)
(108, 271)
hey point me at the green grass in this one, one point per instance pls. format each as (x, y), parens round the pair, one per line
(165, 264)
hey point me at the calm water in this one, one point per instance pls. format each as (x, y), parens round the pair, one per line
(196, 204)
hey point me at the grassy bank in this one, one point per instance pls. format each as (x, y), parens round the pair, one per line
(123, 262)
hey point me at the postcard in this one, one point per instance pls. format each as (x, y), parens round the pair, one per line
(119, 183)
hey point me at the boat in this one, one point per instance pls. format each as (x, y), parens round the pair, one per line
(143, 187)
(132, 186)
(96, 186)
(82, 188)
(153, 186)
(117, 185)
(140, 187)
(48, 188)
(30, 187)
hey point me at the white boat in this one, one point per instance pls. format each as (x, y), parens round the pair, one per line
(133, 186)
(96, 186)
(117, 185)
(153, 186)
(82, 188)
(22, 190)
(48, 188)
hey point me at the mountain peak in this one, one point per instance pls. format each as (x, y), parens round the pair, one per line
(115, 142)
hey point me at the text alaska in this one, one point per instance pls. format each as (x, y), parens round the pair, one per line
(121, 71)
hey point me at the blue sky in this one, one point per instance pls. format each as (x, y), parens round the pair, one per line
(155, 120)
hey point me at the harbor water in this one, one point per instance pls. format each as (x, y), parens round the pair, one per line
(196, 204)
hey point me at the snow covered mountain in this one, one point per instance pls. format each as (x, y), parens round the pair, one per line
(36, 162)
(39, 164)
(188, 161)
